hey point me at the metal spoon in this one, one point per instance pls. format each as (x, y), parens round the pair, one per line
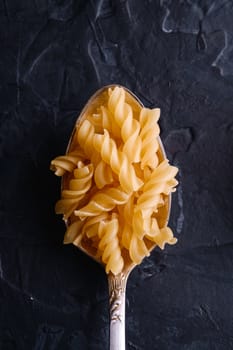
(117, 284)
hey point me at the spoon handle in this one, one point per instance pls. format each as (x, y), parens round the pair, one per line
(117, 290)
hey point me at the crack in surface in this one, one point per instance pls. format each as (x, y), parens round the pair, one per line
(199, 19)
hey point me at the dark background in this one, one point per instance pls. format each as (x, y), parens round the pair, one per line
(176, 55)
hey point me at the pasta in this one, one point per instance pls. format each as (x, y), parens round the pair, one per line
(78, 186)
(149, 133)
(161, 182)
(102, 201)
(116, 183)
(62, 164)
(118, 161)
(109, 245)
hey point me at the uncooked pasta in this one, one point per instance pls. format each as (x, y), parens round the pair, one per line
(116, 183)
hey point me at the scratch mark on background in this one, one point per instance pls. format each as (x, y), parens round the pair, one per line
(5, 9)
(98, 36)
(180, 220)
(48, 337)
(89, 49)
(221, 54)
(18, 69)
(1, 268)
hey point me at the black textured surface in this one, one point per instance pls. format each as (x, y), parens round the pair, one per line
(176, 55)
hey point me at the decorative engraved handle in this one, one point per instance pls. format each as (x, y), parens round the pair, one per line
(117, 288)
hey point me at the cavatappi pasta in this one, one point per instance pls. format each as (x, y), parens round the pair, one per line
(117, 184)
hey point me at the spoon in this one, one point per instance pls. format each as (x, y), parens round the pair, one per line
(117, 283)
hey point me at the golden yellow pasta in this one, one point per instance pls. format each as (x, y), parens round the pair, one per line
(109, 245)
(116, 183)
(160, 182)
(149, 133)
(118, 161)
(78, 187)
(68, 162)
(104, 200)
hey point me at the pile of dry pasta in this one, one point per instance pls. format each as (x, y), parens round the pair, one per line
(117, 185)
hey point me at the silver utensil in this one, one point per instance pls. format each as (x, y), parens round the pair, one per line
(117, 284)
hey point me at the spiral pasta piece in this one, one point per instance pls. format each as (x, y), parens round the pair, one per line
(73, 233)
(161, 182)
(138, 224)
(68, 163)
(85, 135)
(144, 224)
(103, 201)
(129, 126)
(118, 162)
(96, 120)
(78, 187)
(138, 249)
(106, 119)
(116, 107)
(149, 134)
(109, 245)
(165, 235)
(126, 212)
(103, 175)
(91, 225)
(130, 135)
(151, 228)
